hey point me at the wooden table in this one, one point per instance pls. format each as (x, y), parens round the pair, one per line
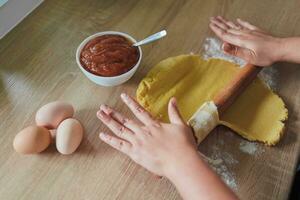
(37, 61)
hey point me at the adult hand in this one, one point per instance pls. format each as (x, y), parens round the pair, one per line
(158, 147)
(247, 41)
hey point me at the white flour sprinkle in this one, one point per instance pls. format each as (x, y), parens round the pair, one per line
(228, 158)
(270, 76)
(250, 148)
(219, 166)
(222, 163)
(212, 49)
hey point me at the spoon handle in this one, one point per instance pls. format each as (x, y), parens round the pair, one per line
(151, 38)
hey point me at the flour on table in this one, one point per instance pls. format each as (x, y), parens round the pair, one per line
(251, 148)
(222, 162)
(270, 76)
(219, 166)
(212, 49)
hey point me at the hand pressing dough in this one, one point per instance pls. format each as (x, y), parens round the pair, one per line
(256, 115)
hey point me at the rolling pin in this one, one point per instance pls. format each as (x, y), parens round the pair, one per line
(206, 118)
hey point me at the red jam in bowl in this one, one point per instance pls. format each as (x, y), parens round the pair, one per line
(109, 55)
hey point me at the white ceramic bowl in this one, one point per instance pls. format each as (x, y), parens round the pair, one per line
(103, 80)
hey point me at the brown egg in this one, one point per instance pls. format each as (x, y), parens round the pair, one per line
(68, 136)
(51, 114)
(53, 135)
(32, 139)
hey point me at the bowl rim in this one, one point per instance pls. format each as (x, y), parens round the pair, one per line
(86, 40)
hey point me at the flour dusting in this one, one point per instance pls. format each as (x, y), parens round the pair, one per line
(270, 76)
(219, 166)
(213, 49)
(250, 148)
(222, 162)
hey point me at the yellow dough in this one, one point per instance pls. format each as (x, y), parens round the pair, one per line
(256, 115)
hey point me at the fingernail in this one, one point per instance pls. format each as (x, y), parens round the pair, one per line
(173, 101)
(103, 136)
(103, 107)
(124, 96)
(101, 114)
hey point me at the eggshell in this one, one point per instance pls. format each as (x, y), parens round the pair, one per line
(33, 139)
(51, 114)
(68, 136)
(53, 135)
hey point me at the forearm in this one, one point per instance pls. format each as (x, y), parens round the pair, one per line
(195, 180)
(289, 50)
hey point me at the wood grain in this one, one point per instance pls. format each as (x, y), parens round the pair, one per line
(37, 65)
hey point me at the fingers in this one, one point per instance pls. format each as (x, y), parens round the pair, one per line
(220, 22)
(130, 124)
(116, 143)
(113, 113)
(225, 24)
(226, 30)
(117, 128)
(239, 28)
(246, 24)
(234, 25)
(173, 112)
(235, 31)
(225, 35)
(138, 110)
(229, 24)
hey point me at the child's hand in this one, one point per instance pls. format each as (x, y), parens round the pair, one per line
(164, 149)
(154, 145)
(246, 41)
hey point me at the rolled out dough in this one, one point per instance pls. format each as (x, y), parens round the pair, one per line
(256, 115)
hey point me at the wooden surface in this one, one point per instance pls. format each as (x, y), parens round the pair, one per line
(37, 63)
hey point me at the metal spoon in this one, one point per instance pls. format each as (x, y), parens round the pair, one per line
(151, 38)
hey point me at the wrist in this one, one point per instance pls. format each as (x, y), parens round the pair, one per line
(276, 52)
(281, 49)
(193, 179)
(186, 163)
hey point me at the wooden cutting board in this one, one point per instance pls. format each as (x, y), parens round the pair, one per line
(37, 65)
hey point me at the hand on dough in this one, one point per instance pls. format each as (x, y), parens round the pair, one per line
(165, 149)
(247, 41)
(155, 145)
